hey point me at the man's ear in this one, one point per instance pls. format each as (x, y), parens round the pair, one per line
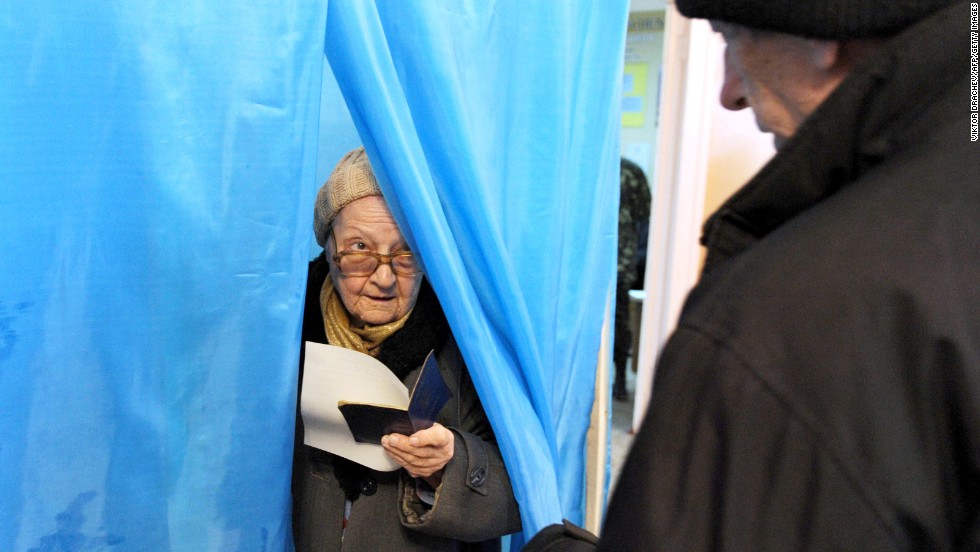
(824, 54)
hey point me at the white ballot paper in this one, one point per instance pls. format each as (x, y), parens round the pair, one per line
(333, 374)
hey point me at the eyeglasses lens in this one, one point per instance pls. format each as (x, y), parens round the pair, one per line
(358, 265)
(353, 264)
(404, 264)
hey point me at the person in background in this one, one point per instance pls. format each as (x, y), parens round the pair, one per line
(367, 292)
(634, 219)
(822, 388)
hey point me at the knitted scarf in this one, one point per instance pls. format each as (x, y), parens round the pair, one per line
(336, 322)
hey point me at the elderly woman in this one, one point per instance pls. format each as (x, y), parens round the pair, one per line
(367, 292)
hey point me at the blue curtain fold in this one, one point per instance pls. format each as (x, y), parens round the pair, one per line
(157, 171)
(494, 129)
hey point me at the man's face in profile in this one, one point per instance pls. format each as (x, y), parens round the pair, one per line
(768, 72)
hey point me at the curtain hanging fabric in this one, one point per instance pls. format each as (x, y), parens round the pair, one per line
(157, 169)
(156, 177)
(494, 129)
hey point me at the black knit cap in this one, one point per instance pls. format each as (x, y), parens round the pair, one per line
(829, 19)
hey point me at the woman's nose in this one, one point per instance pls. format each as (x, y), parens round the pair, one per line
(732, 88)
(383, 276)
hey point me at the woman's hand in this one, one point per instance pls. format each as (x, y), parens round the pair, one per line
(423, 454)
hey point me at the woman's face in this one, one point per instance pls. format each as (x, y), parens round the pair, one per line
(366, 224)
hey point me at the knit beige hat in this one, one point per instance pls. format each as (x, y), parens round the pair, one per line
(351, 179)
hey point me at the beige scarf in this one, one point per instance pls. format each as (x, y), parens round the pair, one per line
(336, 322)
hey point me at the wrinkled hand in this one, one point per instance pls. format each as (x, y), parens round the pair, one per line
(424, 453)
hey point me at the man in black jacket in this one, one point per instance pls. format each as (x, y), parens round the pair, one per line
(822, 388)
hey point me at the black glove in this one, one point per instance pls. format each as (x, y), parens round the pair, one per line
(562, 537)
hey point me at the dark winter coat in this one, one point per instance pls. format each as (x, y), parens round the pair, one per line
(822, 389)
(474, 505)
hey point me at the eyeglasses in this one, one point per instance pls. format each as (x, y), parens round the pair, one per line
(364, 263)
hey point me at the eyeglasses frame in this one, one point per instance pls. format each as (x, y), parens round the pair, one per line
(382, 258)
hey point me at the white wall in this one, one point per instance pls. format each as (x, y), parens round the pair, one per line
(648, 5)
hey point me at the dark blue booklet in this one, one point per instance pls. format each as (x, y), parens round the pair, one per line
(368, 423)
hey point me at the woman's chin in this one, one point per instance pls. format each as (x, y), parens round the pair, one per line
(374, 318)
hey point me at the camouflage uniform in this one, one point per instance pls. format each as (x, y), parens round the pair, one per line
(634, 220)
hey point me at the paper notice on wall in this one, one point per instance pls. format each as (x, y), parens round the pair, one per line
(634, 92)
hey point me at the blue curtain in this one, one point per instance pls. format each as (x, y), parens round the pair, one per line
(157, 167)
(157, 172)
(494, 127)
